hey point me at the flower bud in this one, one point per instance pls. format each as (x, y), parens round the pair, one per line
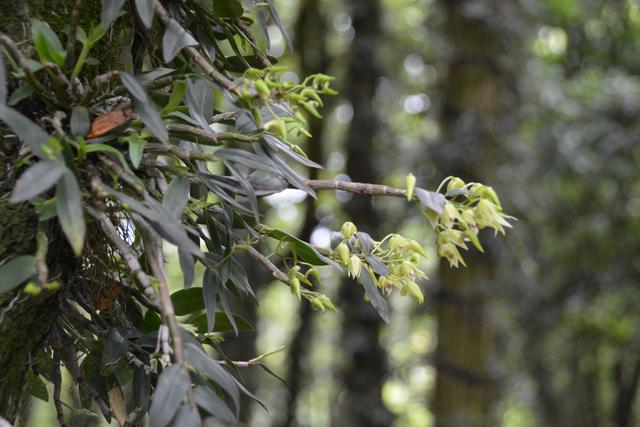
(417, 247)
(348, 230)
(414, 290)
(263, 89)
(411, 186)
(316, 304)
(278, 127)
(455, 183)
(449, 215)
(472, 235)
(468, 218)
(343, 253)
(295, 287)
(354, 266)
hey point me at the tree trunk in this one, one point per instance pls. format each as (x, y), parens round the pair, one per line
(473, 117)
(365, 363)
(25, 320)
(311, 47)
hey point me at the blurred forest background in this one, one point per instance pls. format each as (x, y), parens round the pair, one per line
(539, 99)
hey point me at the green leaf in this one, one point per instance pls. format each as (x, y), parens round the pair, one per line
(222, 323)
(187, 301)
(431, 200)
(135, 88)
(69, 208)
(177, 196)
(377, 265)
(210, 287)
(110, 9)
(145, 10)
(175, 38)
(27, 131)
(80, 122)
(187, 265)
(202, 362)
(136, 149)
(375, 298)
(208, 400)
(36, 387)
(200, 102)
(175, 98)
(115, 350)
(47, 43)
(187, 416)
(172, 386)
(21, 93)
(36, 180)
(16, 271)
(150, 116)
(303, 250)
(227, 9)
(3, 82)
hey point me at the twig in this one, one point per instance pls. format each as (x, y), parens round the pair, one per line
(125, 251)
(357, 187)
(21, 61)
(71, 38)
(122, 174)
(57, 388)
(252, 41)
(195, 55)
(154, 257)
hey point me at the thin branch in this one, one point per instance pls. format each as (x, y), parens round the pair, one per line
(21, 61)
(71, 38)
(196, 56)
(357, 188)
(125, 251)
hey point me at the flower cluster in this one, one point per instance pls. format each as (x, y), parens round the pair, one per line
(468, 209)
(390, 263)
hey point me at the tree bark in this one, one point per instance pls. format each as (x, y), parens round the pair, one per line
(365, 362)
(475, 90)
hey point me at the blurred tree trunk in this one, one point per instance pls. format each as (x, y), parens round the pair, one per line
(475, 90)
(365, 365)
(310, 45)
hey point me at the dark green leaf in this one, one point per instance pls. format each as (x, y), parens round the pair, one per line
(80, 122)
(187, 265)
(135, 88)
(27, 131)
(208, 400)
(200, 102)
(187, 416)
(247, 159)
(222, 323)
(277, 145)
(110, 9)
(431, 200)
(16, 271)
(210, 288)
(115, 350)
(227, 309)
(202, 362)
(305, 252)
(36, 180)
(175, 38)
(293, 178)
(365, 241)
(187, 301)
(141, 390)
(145, 10)
(171, 389)
(377, 265)
(3, 82)
(375, 298)
(227, 9)
(69, 208)
(37, 388)
(150, 116)
(21, 93)
(155, 73)
(176, 197)
(151, 322)
(136, 148)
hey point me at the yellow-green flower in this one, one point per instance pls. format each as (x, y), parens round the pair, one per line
(451, 253)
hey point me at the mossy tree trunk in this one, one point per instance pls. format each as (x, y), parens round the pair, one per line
(25, 321)
(475, 118)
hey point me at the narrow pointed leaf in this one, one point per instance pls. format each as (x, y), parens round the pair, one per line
(3, 82)
(80, 122)
(171, 389)
(176, 197)
(27, 131)
(16, 271)
(210, 288)
(375, 298)
(110, 9)
(69, 209)
(36, 180)
(208, 400)
(175, 38)
(145, 10)
(431, 200)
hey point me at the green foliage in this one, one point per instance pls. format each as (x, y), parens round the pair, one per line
(139, 162)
